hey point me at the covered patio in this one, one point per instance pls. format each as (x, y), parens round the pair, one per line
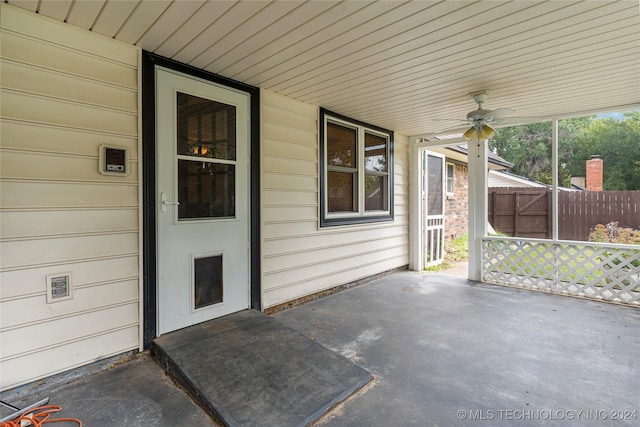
(81, 263)
(458, 353)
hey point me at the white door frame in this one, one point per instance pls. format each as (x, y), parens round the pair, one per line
(416, 241)
(436, 231)
(477, 204)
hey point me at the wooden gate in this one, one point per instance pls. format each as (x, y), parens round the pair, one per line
(521, 211)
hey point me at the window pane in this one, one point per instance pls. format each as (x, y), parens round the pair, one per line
(207, 280)
(341, 146)
(356, 182)
(205, 190)
(375, 153)
(375, 193)
(206, 128)
(434, 165)
(450, 175)
(340, 191)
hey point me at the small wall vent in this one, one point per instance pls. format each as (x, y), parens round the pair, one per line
(59, 287)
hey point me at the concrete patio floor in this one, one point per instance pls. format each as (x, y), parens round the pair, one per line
(444, 352)
(449, 352)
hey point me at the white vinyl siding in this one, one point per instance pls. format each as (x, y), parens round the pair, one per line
(65, 92)
(499, 179)
(299, 258)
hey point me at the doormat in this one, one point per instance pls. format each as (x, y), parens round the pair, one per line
(249, 369)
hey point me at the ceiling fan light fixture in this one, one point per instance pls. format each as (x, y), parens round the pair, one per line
(487, 132)
(479, 133)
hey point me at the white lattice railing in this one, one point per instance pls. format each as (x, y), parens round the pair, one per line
(595, 270)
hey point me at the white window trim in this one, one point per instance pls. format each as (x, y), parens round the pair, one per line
(453, 179)
(360, 215)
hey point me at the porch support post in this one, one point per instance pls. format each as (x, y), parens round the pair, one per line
(478, 212)
(415, 208)
(554, 163)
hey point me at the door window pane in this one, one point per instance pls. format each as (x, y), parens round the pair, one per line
(206, 190)
(341, 191)
(207, 279)
(341, 146)
(434, 194)
(206, 128)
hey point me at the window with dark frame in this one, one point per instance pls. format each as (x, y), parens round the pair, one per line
(356, 171)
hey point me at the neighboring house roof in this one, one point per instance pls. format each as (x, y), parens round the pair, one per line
(461, 152)
(507, 179)
(491, 156)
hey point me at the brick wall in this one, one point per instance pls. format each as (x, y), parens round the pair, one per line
(594, 174)
(456, 210)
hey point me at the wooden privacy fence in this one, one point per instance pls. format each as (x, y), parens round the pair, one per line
(526, 212)
(580, 211)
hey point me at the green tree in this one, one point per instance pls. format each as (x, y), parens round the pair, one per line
(568, 144)
(616, 140)
(528, 147)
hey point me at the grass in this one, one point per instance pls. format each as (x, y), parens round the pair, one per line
(456, 250)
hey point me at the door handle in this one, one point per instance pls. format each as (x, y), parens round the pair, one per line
(165, 203)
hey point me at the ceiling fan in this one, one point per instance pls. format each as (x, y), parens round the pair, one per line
(481, 120)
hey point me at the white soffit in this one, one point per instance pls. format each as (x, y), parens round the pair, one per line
(403, 65)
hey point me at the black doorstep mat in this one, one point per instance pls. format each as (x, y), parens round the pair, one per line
(251, 370)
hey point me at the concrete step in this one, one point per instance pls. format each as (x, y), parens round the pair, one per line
(249, 369)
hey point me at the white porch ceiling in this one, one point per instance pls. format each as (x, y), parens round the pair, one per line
(402, 65)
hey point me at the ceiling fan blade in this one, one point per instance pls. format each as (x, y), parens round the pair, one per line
(498, 123)
(448, 132)
(453, 120)
(514, 121)
(498, 113)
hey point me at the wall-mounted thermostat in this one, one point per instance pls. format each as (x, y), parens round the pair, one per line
(114, 160)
